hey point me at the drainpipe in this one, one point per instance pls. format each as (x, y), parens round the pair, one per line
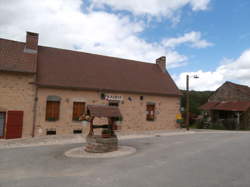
(34, 110)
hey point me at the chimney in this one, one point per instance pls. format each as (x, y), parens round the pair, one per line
(161, 63)
(31, 42)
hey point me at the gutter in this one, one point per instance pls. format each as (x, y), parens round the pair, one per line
(106, 90)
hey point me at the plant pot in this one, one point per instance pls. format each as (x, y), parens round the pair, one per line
(106, 135)
(84, 122)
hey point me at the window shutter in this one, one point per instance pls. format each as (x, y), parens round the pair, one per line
(52, 110)
(78, 110)
(150, 112)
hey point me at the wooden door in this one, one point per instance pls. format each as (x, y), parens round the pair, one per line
(14, 124)
(2, 124)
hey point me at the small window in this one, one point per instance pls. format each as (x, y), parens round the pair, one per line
(150, 112)
(103, 95)
(77, 131)
(52, 110)
(113, 103)
(78, 110)
(51, 132)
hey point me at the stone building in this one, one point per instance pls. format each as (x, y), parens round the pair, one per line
(44, 90)
(229, 105)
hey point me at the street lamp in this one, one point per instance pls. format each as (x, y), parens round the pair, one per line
(187, 100)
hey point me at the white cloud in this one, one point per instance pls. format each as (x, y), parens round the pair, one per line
(63, 24)
(192, 38)
(206, 80)
(237, 70)
(166, 8)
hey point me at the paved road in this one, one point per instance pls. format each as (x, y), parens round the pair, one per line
(194, 160)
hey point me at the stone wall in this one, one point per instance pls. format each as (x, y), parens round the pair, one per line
(228, 93)
(133, 111)
(16, 93)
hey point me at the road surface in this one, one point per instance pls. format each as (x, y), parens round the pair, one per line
(192, 160)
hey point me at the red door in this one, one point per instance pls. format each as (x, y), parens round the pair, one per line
(14, 124)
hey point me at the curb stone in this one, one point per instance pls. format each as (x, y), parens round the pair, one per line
(72, 139)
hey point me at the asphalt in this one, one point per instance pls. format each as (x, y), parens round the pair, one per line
(81, 138)
(190, 160)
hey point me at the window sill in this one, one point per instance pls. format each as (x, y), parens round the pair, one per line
(51, 120)
(76, 121)
(151, 120)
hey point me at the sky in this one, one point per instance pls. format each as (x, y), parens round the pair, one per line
(207, 38)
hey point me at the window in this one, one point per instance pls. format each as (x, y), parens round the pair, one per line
(77, 131)
(51, 132)
(103, 95)
(52, 110)
(116, 104)
(113, 103)
(150, 112)
(78, 110)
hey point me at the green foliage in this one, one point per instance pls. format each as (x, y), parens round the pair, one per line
(197, 98)
(106, 131)
(201, 124)
(217, 126)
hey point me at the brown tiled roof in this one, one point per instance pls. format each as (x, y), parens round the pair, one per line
(77, 70)
(232, 106)
(227, 106)
(13, 58)
(242, 88)
(208, 105)
(104, 111)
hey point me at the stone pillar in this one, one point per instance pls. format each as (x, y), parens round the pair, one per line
(98, 144)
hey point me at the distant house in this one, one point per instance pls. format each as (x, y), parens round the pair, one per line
(229, 105)
(45, 90)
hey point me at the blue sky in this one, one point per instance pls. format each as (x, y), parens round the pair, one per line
(226, 24)
(210, 38)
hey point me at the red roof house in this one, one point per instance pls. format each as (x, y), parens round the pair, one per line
(47, 89)
(230, 102)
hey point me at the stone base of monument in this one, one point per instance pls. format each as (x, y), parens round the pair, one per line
(98, 144)
(79, 152)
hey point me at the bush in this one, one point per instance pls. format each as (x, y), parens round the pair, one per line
(199, 124)
(217, 126)
(203, 124)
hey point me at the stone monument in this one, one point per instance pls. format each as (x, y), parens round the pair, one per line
(107, 141)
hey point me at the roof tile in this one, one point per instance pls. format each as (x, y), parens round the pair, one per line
(72, 69)
(79, 70)
(13, 57)
(227, 106)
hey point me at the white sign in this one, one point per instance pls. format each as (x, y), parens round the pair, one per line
(114, 97)
(84, 122)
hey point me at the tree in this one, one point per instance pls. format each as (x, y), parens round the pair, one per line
(197, 98)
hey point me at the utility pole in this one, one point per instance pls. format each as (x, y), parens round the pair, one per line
(187, 102)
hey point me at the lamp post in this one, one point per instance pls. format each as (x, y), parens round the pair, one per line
(187, 100)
